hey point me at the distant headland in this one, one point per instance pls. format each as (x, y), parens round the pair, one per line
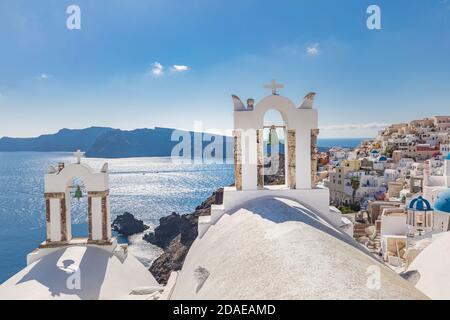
(106, 142)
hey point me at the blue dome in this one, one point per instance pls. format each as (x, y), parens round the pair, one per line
(443, 202)
(382, 158)
(374, 151)
(420, 204)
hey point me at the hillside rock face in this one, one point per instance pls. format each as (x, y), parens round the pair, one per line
(104, 142)
(64, 140)
(175, 235)
(155, 142)
(128, 225)
(135, 143)
(169, 228)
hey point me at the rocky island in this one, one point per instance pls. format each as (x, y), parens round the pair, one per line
(127, 225)
(175, 235)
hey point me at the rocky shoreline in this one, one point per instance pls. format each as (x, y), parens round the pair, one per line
(127, 225)
(175, 235)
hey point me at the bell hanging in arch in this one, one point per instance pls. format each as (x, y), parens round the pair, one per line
(78, 194)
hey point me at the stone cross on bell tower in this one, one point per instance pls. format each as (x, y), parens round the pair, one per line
(274, 86)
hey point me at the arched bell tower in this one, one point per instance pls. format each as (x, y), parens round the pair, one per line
(301, 131)
(301, 140)
(57, 203)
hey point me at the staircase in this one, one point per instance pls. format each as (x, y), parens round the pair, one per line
(374, 242)
(359, 230)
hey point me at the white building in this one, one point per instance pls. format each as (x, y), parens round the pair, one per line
(338, 154)
(393, 222)
(435, 184)
(393, 234)
(442, 123)
(445, 149)
(380, 163)
(390, 175)
(432, 139)
(416, 169)
(370, 183)
(406, 163)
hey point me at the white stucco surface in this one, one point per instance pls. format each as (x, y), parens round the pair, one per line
(93, 181)
(393, 225)
(317, 198)
(102, 276)
(433, 265)
(274, 248)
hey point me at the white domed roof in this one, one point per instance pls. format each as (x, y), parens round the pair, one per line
(102, 276)
(274, 248)
(433, 265)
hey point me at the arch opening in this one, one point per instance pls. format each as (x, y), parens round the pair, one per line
(77, 208)
(274, 159)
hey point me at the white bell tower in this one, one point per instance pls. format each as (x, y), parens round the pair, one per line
(57, 203)
(301, 137)
(301, 131)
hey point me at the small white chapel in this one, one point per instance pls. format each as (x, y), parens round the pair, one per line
(92, 268)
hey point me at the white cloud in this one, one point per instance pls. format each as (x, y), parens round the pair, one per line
(180, 68)
(157, 69)
(43, 77)
(313, 50)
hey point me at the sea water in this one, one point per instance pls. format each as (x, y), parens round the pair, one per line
(149, 188)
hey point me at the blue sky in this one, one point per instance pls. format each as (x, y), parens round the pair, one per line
(52, 77)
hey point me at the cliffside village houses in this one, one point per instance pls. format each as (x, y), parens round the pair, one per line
(398, 185)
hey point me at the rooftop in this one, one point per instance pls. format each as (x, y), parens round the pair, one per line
(420, 204)
(275, 248)
(102, 276)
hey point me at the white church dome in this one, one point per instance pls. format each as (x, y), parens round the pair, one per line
(102, 275)
(274, 248)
